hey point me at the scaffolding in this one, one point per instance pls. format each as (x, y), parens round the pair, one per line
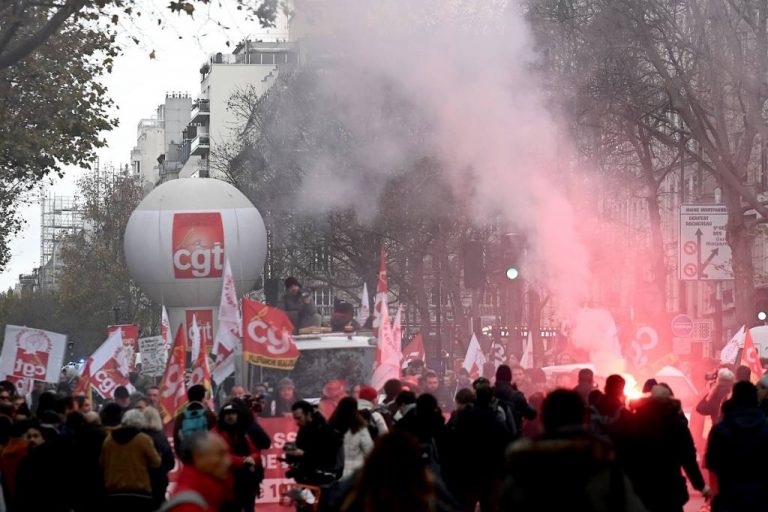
(60, 217)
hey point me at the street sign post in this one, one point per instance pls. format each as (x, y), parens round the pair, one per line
(704, 253)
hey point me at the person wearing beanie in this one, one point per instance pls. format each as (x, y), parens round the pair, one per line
(376, 417)
(736, 453)
(280, 404)
(511, 400)
(298, 306)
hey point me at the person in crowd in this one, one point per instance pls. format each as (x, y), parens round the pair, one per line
(246, 457)
(430, 383)
(736, 452)
(202, 485)
(426, 423)
(38, 389)
(15, 450)
(534, 428)
(519, 378)
(298, 306)
(377, 418)
(333, 392)
(583, 465)
(762, 393)
(743, 373)
(711, 404)
(139, 401)
(158, 476)
(392, 389)
(396, 463)
(46, 402)
(586, 383)
(126, 458)
(315, 456)
(653, 444)
(512, 401)
(477, 442)
(256, 433)
(195, 416)
(343, 318)
(153, 394)
(348, 422)
(45, 462)
(85, 449)
(281, 404)
(84, 404)
(611, 407)
(111, 416)
(404, 403)
(237, 392)
(122, 397)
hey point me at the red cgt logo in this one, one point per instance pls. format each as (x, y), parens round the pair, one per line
(198, 245)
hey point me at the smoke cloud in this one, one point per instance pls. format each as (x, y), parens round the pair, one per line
(473, 101)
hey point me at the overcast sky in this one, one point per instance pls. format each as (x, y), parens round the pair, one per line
(138, 85)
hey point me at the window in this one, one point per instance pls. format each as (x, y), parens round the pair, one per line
(267, 58)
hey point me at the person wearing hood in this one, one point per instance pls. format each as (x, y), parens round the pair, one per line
(281, 404)
(653, 444)
(126, 458)
(736, 452)
(512, 400)
(246, 457)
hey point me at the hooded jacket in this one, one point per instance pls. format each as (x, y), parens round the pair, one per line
(213, 492)
(507, 393)
(126, 457)
(736, 453)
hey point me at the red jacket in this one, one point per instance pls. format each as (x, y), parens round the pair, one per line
(238, 461)
(213, 491)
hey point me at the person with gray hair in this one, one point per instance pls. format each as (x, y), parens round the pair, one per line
(158, 476)
(202, 483)
(712, 403)
(126, 458)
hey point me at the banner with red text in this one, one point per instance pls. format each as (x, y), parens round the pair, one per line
(32, 353)
(267, 336)
(280, 431)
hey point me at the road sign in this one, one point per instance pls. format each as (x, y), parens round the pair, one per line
(682, 326)
(704, 253)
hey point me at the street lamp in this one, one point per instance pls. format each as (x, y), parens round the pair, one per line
(512, 273)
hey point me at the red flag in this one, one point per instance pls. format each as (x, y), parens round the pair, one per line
(751, 358)
(381, 292)
(84, 384)
(173, 392)
(107, 368)
(267, 336)
(414, 351)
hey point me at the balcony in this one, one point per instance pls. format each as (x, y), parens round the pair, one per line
(200, 145)
(201, 111)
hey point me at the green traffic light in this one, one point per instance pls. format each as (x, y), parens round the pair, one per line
(512, 273)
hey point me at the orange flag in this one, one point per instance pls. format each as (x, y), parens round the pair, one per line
(173, 391)
(751, 358)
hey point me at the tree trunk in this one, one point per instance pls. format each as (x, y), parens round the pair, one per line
(740, 237)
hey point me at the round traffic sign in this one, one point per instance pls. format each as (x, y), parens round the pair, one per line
(690, 270)
(682, 326)
(689, 248)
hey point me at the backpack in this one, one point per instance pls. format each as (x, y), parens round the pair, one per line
(184, 498)
(373, 428)
(193, 420)
(509, 417)
(387, 415)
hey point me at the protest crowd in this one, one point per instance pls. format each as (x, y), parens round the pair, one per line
(416, 446)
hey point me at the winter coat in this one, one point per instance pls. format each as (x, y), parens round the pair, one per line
(653, 444)
(571, 469)
(214, 492)
(300, 313)
(736, 452)
(321, 446)
(43, 480)
(85, 451)
(126, 457)
(711, 405)
(10, 460)
(506, 393)
(158, 477)
(357, 445)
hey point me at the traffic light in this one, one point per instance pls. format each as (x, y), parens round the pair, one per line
(761, 304)
(512, 246)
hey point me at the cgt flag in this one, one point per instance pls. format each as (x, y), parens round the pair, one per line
(165, 333)
(201, 371)
(389, 355)
(173, 391)
(475, 359)
(414, 351)
(751, 358)
(267, 337)
(107, 368)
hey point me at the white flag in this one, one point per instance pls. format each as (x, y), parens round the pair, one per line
(228, 333)
(730, 351)
(365, 307)
(166, 333)
(526, 361)
(388, 353)
(475, 359)
(195, 339)
(106, 351)
(397, 327)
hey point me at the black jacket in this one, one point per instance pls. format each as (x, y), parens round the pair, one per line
(322, 447)
(159, 476)
(653, 444)
(737, 452)
(507, 393)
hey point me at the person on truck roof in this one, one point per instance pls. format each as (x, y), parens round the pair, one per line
(298, 306)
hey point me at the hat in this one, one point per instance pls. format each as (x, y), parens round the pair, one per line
(368, 393)
(335, 389)
(285, 383)
(292, 281)
(504, 374)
